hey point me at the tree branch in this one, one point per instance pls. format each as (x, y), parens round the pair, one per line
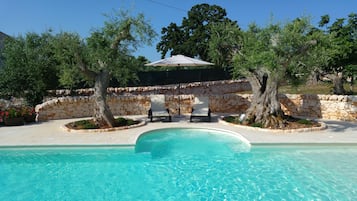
(83, 67)
(307, 45)
(123, 35)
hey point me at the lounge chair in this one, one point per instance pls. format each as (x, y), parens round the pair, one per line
(158, 108)
(200, 108)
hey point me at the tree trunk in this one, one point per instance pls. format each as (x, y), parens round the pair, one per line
(351, 84)
(102, 113)
(265, 107)
(338, 84)
(314, 78)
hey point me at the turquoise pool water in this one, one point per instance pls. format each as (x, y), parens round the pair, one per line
(180, 164)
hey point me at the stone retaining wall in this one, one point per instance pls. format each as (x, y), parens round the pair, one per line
(313, 106)
(335, 107)
(13, 102)
(212, 87)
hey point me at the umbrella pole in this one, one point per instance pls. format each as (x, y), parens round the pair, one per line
(179, 102)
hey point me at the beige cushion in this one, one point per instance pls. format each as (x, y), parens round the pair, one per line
(200, 106)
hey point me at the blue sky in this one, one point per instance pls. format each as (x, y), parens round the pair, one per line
(18, 17)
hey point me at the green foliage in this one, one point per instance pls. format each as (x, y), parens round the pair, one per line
(125, 122)
(342, 44)
(236, 120)
(225, 39)
(257, 125)
(232, 119)
(108, 48)
(13, 113)
(66, 46)
(72, 78)
(90, 124)
(285, 52)
(84, 124)
(191, 38)
(128, 70)
(39, 62)
(29, 67)
(18, 111)
(304, 121)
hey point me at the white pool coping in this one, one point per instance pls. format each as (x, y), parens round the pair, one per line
(51, 133)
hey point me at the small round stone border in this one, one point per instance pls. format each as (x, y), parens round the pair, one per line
(297, 130)
(141, 123)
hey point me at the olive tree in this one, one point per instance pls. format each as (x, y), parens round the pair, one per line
(224, 42)
(343, 49)
(273, 54)
(103, 55)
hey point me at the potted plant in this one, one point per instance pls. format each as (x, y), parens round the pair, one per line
(29, 114)
(2, 114)
(13, 117)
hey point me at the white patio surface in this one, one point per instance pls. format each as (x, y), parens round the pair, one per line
(51, 133)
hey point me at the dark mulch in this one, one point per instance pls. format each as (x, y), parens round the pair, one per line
(289, 122)
(90, 124)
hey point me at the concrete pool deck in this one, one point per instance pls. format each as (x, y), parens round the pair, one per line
(51, 133)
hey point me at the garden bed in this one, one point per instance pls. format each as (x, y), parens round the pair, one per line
(292, 124)
(88, 125)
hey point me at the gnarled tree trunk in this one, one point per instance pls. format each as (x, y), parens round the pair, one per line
(337, 80)
(265, 107)
(102, 113)
(314, 78)
(351, 84)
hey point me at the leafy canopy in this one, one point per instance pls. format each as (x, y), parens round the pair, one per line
(191, 38)
(29, 67)
(224, 42)
(35, 63)
(343, 40)
(287, 51)
(108, 48)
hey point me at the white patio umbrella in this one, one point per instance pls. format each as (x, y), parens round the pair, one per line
(178, 61)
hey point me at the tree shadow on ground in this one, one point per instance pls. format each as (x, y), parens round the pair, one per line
(342, 126)
(310, 106)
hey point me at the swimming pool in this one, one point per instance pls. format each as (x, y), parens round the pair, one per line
(180, 164)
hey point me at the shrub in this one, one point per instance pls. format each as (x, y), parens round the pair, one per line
(85, 124)
(304, 121)
(258, 125)
(90, 124)
(232, 119)
(124, 122)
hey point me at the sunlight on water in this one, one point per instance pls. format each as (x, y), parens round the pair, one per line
(180, 164)
(176, 143)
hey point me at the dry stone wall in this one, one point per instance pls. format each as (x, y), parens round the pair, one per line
(336, 107)
(313, 106)
(223, 99)
(212, 87)
(13, 102)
